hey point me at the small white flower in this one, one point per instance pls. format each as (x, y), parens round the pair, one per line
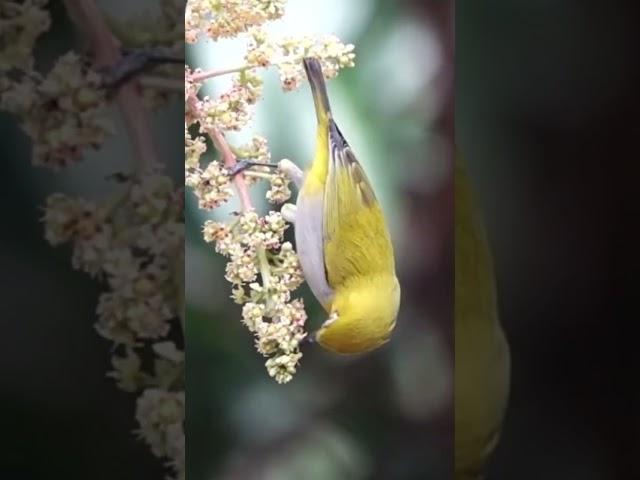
(159, 413)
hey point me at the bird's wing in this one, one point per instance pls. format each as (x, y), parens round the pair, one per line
(482, 358)
(356, 239)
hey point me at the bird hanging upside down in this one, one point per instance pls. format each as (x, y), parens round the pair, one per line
(341, 237)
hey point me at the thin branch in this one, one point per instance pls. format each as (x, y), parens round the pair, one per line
(171, 84)
(106, 49)
(199, 77)
(217, 73)
(262, 175)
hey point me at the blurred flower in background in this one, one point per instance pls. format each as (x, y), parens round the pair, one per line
(120, 222)
(382, 415)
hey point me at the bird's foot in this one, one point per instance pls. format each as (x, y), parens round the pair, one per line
(292, 171)
(288, 212)
(332, 318)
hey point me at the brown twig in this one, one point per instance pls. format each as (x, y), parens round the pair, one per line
(170, 84)
(106, 50)
(199, 77)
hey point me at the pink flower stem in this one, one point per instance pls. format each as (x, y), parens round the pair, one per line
(229, 160)
(228, 157)
(199, 77)
(106, 50)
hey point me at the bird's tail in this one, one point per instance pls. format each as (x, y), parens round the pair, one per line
(318, 89)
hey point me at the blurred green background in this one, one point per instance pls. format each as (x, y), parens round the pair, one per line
(386, 415)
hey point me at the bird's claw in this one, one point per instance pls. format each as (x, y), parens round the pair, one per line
(288, 212)
(244, 164)
(240, 166)
(332, 318)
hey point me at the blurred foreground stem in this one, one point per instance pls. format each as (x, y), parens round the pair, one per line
(106, 50)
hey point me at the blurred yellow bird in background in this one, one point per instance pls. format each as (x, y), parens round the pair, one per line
(342, 240)
(482, 360)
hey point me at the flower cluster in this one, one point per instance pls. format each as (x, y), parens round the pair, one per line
(263, 269)
(279, 191)
(160, 414)
(255, 247)
(212, 186)
(160, 405)
(21, 23)
(287, 54)
(227, 18)
(194, 147)
(63, 113)
(161, 26)
(131, 241)
(257, 150)
(232, 109)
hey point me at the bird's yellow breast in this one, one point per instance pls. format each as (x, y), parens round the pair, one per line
(366, 309)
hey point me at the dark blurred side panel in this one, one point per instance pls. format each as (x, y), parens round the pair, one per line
(62, 417)
(547, 116)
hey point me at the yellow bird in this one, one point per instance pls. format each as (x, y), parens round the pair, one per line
(482, 360)
(343, 243)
